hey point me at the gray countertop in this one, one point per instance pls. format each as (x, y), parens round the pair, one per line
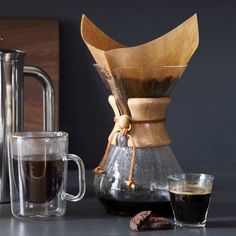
(88, 217)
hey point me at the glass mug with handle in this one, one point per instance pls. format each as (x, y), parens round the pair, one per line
(38, 166)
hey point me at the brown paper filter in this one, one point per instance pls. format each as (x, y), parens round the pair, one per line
(174, 48)
(149, 70)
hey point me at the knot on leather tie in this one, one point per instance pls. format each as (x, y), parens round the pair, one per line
(124, 126)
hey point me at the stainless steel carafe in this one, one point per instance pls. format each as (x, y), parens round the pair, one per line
(12, 72)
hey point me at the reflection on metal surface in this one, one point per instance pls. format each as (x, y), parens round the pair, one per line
(12, 70)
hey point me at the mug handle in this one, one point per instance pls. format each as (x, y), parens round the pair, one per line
(81, 178)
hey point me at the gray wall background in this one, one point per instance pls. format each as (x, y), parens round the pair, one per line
(202, 116)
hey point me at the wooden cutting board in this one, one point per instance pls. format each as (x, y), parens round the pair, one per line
(40, 40)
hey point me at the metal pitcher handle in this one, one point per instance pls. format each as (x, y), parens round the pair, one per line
(48, 95)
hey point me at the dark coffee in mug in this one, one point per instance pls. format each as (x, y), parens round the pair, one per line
(39, 177)
(191, 204)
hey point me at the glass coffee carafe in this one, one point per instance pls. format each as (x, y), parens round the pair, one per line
(132, 176)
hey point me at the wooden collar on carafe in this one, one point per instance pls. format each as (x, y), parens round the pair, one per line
(123, 125)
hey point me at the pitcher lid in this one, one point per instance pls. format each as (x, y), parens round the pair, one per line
(11, 54)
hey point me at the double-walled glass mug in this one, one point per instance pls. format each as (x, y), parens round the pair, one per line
(38, 174)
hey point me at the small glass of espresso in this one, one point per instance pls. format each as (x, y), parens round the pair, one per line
(190, 196)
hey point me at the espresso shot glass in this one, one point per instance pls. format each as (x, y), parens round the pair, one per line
(190, 196)
(38, 166)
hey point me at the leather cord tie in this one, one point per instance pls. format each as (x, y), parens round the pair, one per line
(124, 126)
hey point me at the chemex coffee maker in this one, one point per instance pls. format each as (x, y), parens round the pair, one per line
(12, 72)
(132, 175)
